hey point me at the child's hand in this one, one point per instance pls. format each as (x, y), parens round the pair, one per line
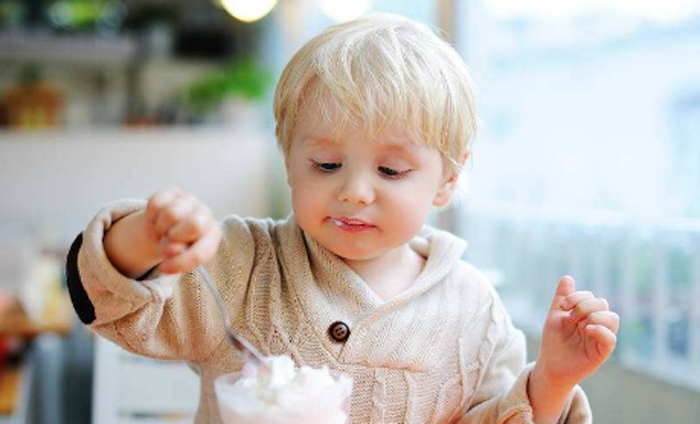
(185, 229)
(579, 335)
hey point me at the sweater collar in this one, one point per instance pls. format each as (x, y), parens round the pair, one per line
(318, 272)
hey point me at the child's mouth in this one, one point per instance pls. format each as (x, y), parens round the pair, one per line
(352, 225)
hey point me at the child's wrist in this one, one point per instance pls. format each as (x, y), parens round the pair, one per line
(546, 381)
(547, 396)
(131, 246)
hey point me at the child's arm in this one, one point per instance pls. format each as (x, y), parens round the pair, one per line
(174, 226)
(502, 394)
(578, 337)
(169, 316)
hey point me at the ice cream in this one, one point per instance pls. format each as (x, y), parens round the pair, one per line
(286, 395)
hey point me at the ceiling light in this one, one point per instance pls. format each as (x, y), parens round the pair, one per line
(248, 10)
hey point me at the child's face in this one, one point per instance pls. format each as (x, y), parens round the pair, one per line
(361, 198)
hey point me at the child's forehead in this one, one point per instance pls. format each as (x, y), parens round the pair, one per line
(394, 136)
(327, 127)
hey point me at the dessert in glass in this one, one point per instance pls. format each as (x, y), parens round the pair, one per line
(285, 395)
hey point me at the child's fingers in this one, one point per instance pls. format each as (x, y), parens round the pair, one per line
(172, 213)
(188, 230)
(608, 319)
(605, 339)
(574, 299)
(170, 249)
(565, 287)
(587, 307)
(158, 200)
(198, 253)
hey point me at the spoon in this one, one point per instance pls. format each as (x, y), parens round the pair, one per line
(247, 350)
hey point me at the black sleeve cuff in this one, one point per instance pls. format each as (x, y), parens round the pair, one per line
(81, 302)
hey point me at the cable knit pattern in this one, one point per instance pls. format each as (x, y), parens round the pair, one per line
(443, 351)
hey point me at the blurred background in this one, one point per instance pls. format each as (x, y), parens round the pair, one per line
(587, 163)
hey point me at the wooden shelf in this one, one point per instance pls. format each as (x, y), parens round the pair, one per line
(57, 318)
(16, 390)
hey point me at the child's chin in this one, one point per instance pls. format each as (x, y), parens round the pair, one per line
(353, 255)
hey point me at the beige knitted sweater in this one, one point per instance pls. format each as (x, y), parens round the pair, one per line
(443, 351)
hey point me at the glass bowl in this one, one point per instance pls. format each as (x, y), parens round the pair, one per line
(240, 402)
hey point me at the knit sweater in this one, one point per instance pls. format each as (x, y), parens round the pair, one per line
(443, 351)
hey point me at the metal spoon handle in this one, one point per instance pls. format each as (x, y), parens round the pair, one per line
(249, 352)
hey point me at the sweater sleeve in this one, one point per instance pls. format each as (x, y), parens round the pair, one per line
(502, 394)
(162, 316)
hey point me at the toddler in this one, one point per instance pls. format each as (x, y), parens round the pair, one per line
(374, 118)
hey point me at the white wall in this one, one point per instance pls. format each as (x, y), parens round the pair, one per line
(53, 183)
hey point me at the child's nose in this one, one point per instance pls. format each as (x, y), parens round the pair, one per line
(358, 189)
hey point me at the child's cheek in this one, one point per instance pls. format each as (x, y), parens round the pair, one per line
(409, 212)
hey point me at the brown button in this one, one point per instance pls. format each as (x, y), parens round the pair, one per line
(339, 331)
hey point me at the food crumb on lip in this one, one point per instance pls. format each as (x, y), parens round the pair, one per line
(350, 222)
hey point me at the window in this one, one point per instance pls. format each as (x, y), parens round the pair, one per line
(588, 163)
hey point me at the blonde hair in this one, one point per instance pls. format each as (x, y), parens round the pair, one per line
(378, 70)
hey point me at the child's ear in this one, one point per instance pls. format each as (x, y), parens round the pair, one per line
(444, 194)
(286, 166)
(449, 185)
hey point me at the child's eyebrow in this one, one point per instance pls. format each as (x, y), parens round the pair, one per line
(398, 144)
(388, 143)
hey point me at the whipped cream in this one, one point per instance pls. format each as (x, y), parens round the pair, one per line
(286, 395)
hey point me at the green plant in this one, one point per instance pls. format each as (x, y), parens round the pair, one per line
(244, 78)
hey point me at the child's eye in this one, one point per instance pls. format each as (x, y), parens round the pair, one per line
(327, 167)
(392, 173)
